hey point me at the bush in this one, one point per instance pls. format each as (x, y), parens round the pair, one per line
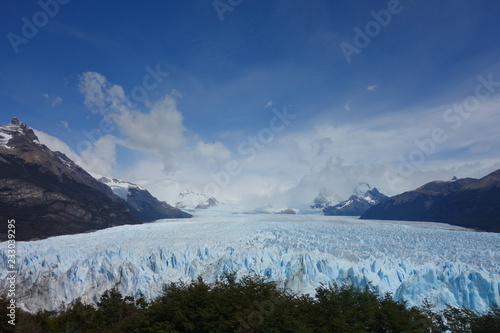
(254, 305)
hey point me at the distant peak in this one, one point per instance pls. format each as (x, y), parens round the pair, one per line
(17, 129)
(361, 189)
(16, 122)
(191, 199)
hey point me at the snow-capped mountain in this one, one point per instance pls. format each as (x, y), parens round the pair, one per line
(144, 206)
(191, 200)
(120, 187)
(361, 189)
(287, 211)
(415, 261)
(467, 202)
(363, 198)
(13, 130)
(48, 194)
(324, 199)
(374, 196)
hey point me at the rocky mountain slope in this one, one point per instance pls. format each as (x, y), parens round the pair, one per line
(467, 202)
(145, 206)
(48, 194)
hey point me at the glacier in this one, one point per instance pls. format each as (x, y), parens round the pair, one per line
(412, 260)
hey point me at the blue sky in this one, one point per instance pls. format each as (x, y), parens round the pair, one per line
(222, 74)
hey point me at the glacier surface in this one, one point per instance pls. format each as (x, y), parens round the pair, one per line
(414, 261)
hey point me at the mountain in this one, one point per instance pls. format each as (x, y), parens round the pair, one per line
(467, 202)
(361, 189)
(442, 264)
(363, 198)
(192, 200)
(290, 211)
(144, 206)
(324, 199)
(48, 194)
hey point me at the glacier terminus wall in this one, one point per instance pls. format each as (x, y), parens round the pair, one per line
(413, 261)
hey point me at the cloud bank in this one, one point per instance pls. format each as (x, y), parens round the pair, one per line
(284, 165)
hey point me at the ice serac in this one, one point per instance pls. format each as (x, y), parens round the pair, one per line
(467, 202)
(414, 261)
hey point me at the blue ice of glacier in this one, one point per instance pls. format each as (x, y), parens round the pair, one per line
(414, 261)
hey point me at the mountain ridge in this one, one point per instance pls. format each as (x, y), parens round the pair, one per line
(467, 202)
(48, 194)
(146, 206)
(192, 200)
(363, 197)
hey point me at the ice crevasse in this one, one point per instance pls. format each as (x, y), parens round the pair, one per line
(413, 261)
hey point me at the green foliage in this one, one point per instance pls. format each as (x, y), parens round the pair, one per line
(347, 309)
(77, 318)
(253, 305)
(225, 306)
(462, 320)
(487, 323)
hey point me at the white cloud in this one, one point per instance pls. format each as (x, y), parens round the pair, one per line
(480, 148)
(57, 101)
(98, 159)
(159, 130)
(295, 165)
(372, 87)
(101, 159)
(213, 151)
(347, 107)
(384, 143)
(53, 100)
(65, 124)
(94, 86)
(57, 145)
(269, 104)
